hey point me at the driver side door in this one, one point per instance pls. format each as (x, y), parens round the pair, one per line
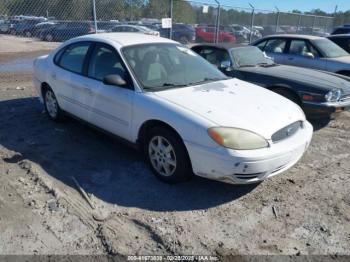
(110, 107)
(297, 55)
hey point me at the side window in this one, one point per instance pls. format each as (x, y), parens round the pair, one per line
(275, 45)
(214, 56)
(105, 61)
(299, 47)
(73, 57)
(261, 45)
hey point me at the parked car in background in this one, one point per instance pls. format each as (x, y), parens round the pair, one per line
(183, 33)
(318, 93)
(306, 51)
(67, 30)
(5, 26)
(272, 30)
(26, 26)
(106, 26)
(208, 34)
(180, 32)
(341, 30)
(134, 29)
(183, 113)
(40, 27)
(240, 35)
(341, 40)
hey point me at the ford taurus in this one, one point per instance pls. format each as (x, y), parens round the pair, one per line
(186, 116)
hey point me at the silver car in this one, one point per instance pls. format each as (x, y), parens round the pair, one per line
(306, 51)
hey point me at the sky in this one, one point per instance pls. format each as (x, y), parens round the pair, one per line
(288, 5)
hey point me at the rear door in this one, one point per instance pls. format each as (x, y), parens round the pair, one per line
(299, 54)
(274, 48)
(67, 80)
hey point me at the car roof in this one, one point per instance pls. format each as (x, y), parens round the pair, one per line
(339, 36)
(227, 46)
(310, 37)
(125, 39)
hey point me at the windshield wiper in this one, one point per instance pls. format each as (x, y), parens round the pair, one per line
(208, 79)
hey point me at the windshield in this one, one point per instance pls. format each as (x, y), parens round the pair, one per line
(164, 66)
(250, 56)
(329, 49)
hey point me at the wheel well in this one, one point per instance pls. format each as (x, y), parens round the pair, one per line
(148, 125)
(287, 90)
(344, 73)
(44, 87)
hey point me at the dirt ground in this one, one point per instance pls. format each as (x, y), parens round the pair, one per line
(306, 210)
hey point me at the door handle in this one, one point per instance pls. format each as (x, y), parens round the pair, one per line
(53, 76)
(290, 58)
(87, 90)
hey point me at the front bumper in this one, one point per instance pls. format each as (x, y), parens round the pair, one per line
(316, 109)
(249, 166)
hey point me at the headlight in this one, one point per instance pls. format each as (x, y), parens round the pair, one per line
(236, 138)
(333, 95)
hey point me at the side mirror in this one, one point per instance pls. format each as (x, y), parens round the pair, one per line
(309, 55)
(114, 80)
(225, 65)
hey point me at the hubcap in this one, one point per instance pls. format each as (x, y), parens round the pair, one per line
(162, 156)
(51, 104)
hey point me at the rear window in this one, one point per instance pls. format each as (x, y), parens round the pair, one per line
(72, 58)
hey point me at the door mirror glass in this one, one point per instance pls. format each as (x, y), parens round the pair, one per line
(225, 65)
(114, 80)
(309, 55)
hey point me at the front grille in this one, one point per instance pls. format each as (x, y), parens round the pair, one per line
(287, 131)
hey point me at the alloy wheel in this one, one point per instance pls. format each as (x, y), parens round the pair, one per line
(51, 104)
(162, 156)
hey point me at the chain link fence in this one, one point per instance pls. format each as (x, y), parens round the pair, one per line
(192, 21)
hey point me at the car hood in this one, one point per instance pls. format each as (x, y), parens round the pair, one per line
(235, 103)
(319, 79)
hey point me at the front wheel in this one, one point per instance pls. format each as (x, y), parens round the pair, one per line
(167, 155)
(51, 105)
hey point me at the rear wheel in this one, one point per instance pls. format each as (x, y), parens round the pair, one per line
(184, 40)
(167, 155)
(49, 38)
(51, 105)
(28, 34)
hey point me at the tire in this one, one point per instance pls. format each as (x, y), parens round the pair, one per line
(288, 94)
(52, 108)
(169, 162)
(28, 34)
(49, 38)
(184, 40)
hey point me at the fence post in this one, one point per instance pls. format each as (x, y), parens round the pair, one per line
(313, 25)
(277, 19)
(251, 23)
(217, 22)
(171, 17)
(299, 22)
(94, 14)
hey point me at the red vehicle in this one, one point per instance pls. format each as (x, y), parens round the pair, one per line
(207, 34)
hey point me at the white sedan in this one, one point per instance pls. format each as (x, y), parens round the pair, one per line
(186, 116)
